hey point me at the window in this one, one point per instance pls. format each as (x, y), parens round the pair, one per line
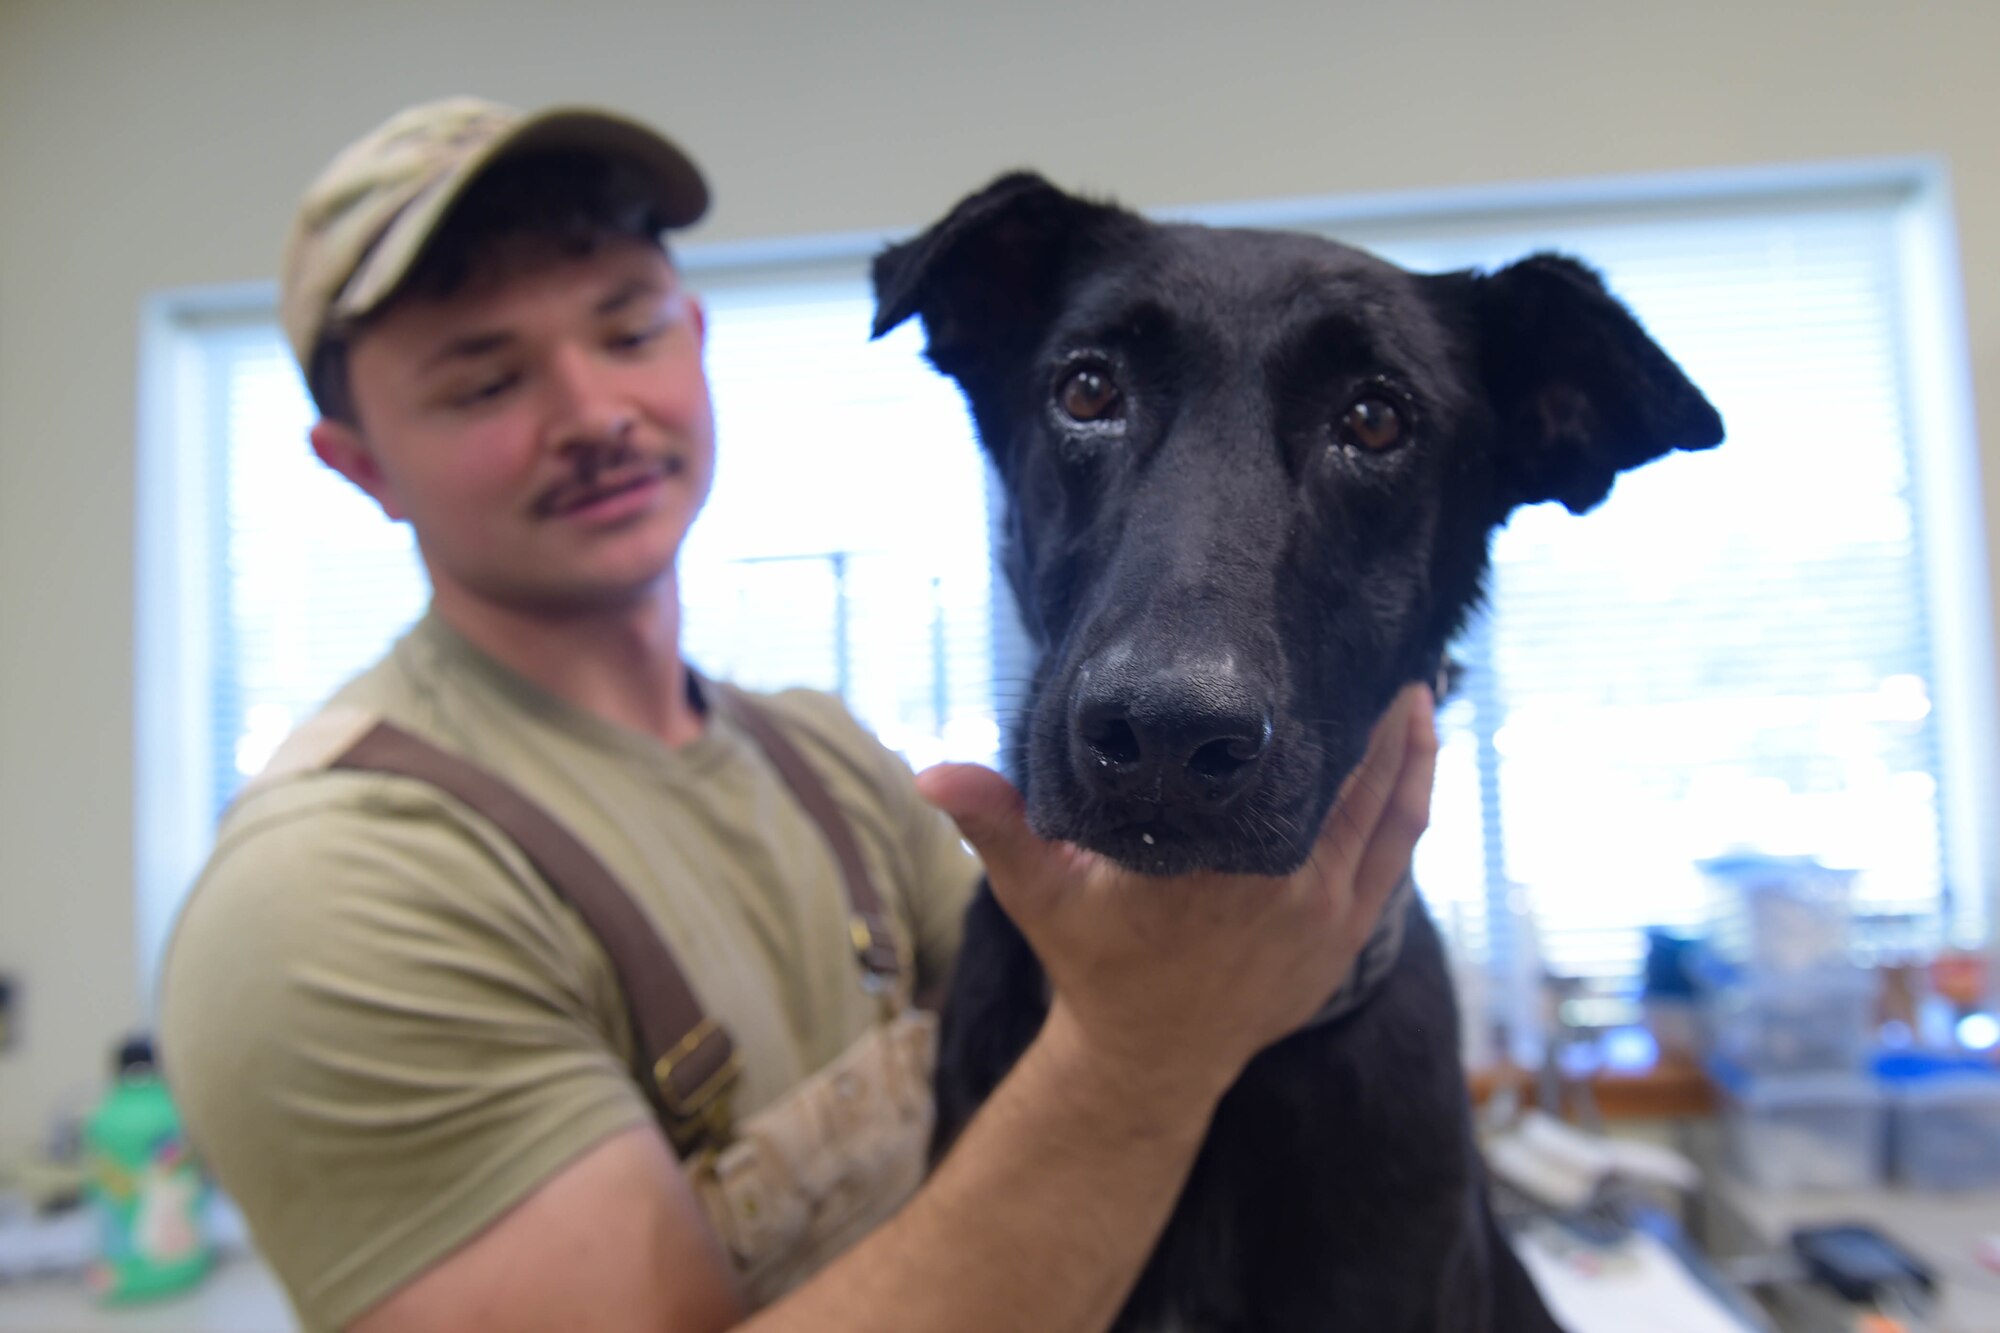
(1735, 651)
(1740, 648)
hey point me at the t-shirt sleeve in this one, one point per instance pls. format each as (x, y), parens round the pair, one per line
(382, 1034)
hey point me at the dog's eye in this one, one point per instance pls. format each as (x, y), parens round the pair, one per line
(1373, 423)
(1088, 394)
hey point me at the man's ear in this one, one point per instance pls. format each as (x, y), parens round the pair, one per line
(984, 279)
(342, 448)
(1579, 391)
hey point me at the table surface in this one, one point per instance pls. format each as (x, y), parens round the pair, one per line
(1668, 1088)
(1943, 1230)
(240, 1296)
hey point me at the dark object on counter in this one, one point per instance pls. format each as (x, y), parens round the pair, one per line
(1669, 965)
(1860, 1264)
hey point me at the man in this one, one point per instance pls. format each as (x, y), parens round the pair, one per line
(403, 1054)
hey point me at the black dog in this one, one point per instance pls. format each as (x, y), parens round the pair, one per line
(1251, 479)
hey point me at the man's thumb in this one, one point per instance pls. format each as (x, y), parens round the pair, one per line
(988, 811)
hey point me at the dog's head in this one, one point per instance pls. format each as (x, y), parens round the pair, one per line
(1251, 479)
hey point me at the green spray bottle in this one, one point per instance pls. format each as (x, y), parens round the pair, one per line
(145, 1186)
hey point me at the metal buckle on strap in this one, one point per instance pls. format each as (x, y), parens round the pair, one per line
(881, 951)
(887, 962)
(703, 1114)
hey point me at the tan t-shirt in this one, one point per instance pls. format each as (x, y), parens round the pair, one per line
(385, 1029)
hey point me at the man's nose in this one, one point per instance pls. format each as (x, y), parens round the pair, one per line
(590, 418)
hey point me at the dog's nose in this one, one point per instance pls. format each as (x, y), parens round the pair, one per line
(1184, 738)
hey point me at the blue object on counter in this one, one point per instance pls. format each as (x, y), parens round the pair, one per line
(1908, 1066)
(1670, 961)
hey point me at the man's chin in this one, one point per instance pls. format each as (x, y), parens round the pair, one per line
(617, 570)
(579, 593)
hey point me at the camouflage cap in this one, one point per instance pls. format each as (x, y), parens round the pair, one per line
(364, 222)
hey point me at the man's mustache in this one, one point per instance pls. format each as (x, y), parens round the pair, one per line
(592, 481)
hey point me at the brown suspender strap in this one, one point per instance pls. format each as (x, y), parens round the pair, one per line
(874, 939)
(690, 1063)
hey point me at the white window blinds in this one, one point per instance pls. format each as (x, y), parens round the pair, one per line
(845, 544)
(310, 581)
(1732, 652)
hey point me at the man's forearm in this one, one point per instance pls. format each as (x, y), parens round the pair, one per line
(1039, 1219)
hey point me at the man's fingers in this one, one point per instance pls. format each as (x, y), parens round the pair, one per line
(1385, 859)
(1371, 786)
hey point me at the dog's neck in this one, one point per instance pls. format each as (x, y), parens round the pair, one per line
(1376, 960)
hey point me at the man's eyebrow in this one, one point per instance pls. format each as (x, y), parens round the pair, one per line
(475, 345)
(628, 292)
(470, 347)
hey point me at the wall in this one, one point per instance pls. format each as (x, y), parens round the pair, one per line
(146, 145)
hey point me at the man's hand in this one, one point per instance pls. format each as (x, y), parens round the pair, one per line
(1178, 982)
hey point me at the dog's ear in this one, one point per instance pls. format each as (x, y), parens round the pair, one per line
(1579, 390)
(985, 278)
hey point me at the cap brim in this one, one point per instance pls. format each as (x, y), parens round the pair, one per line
(679, 193)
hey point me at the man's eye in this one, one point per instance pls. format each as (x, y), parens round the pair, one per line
(485, 391)
(632, 339)
(1088, 393)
